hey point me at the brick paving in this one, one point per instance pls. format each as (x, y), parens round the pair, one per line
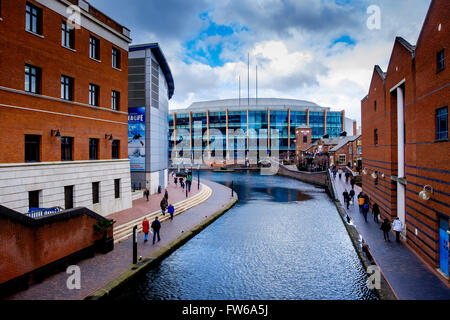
(142, 207)
(102, 268)
(407, 274)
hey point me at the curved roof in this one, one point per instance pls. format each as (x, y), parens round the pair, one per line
(260, 103)
(157, 52)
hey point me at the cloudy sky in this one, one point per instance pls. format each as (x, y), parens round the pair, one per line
(317, 50)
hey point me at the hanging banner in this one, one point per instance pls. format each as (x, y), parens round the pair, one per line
(136, 138)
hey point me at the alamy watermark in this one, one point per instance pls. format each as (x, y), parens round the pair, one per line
(74, 280)
(374, 280)
(74, 18)
(374, 19)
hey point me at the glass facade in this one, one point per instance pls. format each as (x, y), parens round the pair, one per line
(285, 121)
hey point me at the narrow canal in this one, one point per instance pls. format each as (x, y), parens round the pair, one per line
(283, 240)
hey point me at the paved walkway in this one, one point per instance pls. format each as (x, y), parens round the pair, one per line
(102, 268)
(409, 277)
(142, 207)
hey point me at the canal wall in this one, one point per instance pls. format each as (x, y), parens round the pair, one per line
(112, 288)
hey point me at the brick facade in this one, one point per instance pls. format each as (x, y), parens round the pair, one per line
(414, 70)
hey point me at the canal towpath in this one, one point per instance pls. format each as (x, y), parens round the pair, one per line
(409, 277)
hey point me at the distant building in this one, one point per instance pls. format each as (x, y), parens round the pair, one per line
(220, 119)
(63, 107)
(150, 86)
(405, 138)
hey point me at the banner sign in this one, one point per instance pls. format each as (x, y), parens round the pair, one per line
(136, 138)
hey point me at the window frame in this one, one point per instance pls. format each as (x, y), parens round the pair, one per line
(67, 33)
(30, 76)
(67, 149)
(115, 149)
(37, 196)
(94, 48)
(440, 61)
(30, 17)
(94, 93)
(375, 137)
(95, 192)
(36, 148)
(115, 100)
(116, 58)
(339, 159)
(69, 86)
(66, 200)
(439, 131)
(94, 149)
(116, 188)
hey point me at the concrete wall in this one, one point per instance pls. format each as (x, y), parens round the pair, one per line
(316, 178)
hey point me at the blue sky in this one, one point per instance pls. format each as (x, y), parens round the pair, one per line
(317, 50)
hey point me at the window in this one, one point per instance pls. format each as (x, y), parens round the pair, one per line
(94, 48)
(375, 106)
(117, 188)
(350, 150)
(440, 60)
(115, 100)
(68, 197)
(115, 149)
(375, 137)
(359, 150)
(342, 159)
(33, 19)
(67, 35)
(32, 148)
(305, 139)
(33, 199)
(95, 192)
(66, 148)
(67, 88)
(442, 123)
(93, 94)
(116, 58)
(93, 149)
(32, 79)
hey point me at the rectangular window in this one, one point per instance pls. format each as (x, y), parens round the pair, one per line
(94, 48)
(66, 88)
(305, 139)
(115, 149)
(375, 106)
(440, 60)
(342, 159)
(95, 192)
(68, 197)
(115, 100)
(116, 58)
(442, 123)
(93, 149)
(32, 79)
(375, 137)
(67, 35)
(117, 188)
(66, 148)
(94, 91)
(33, 199)
(33, 19)
(32, 148)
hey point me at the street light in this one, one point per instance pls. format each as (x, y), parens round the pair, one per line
(426, 193)
(198, 177)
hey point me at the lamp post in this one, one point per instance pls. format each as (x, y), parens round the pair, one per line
(198, 177)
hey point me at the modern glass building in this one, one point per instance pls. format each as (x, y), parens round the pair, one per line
(222, 121)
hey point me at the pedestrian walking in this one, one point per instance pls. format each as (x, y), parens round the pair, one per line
(171, 210)
(163, 205)
(361, 203)
(175, 180)
(145, 228)
(376, 212)
(334, 174)
(182, 184)
(346, 198)
(365, 210)
(352, 196)
(146, 193)
(166, 195)
(340, 173)
(397, 226)
(386, 227)
(156, 226)
(189, 182)
(352, 182)
(347, 176)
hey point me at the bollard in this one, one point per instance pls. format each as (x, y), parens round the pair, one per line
(232, 189)
(198, 179)
(134, 244)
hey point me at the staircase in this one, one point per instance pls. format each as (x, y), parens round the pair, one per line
(124, 231)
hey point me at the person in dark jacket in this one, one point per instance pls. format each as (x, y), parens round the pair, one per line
(386, 227)
(156, 226)
(346, 198)
(175, 180)
(352, 181)
(352, 195)
(163, 205)
(166, 195)
(365, 209)
(376, 212)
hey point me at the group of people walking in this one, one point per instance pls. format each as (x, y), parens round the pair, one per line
(156, 226)
(181, 180)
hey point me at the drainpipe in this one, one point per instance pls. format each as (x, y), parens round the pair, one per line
(400, 156)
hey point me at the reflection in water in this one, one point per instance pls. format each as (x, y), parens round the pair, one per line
(283, 240)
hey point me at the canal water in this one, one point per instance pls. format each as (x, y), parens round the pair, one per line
(283, 240)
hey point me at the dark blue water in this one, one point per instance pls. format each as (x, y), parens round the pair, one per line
(284, 240)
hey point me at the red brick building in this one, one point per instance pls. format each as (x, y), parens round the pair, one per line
(63, 107)
(405, 138)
